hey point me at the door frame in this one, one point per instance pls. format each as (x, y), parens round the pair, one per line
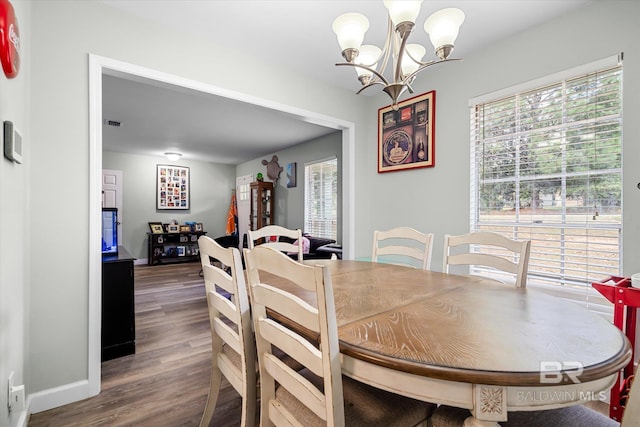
(99, 65)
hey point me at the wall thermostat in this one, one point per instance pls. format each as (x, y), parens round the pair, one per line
(12, 143)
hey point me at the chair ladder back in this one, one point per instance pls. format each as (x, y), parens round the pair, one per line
(232, 343)
(421, 250)
(269, 272)
(519, 249)
(276, 230)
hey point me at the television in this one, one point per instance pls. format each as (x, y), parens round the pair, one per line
(109, 231)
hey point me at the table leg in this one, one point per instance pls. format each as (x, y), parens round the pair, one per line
(489, 405)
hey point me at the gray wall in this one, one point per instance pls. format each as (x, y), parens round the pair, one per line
(437, 199)
(211, 185)
(14, 226)
(289, 202)
(50, 192)
(63, 34)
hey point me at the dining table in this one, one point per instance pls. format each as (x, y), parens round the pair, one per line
(468, 341)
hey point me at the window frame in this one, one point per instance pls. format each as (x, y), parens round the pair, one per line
(320, 231)
(574, 290)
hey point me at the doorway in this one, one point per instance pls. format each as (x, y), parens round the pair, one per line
(112, 194)
(244, 205)
(98, 66)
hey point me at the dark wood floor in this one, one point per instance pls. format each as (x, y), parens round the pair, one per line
(166, 382)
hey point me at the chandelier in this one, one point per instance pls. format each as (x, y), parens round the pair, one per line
(442, 27)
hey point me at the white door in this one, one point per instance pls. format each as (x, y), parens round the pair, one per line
(244, 204)
(112, 195)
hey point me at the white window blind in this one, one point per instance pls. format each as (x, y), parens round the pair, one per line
(321, 198)
(547, 167)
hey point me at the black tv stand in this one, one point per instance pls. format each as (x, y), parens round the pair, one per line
(166, 248)
(118, 318)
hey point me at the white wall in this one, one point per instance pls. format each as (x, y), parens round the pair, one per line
(14, 230)
(210, 188)
(434, 199)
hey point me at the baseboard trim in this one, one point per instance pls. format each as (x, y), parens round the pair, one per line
(21, 418)
(58, 396)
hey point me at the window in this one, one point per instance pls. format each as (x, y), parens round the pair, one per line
(547, 166)
(321, 198)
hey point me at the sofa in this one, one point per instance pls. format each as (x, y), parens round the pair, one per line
(321, 248)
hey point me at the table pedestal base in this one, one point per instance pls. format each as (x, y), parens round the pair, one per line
(474, 422)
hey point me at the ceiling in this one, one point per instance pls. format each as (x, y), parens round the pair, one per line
(155, 118)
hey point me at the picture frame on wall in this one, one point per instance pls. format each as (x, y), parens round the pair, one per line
(291, 175)
(156, 227)
(406, 134)
(172, 187)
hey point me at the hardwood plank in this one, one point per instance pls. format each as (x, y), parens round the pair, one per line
(166, 382)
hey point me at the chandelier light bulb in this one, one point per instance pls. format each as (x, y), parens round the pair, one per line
(403, 10)
(443, 27)
(350, 29)
(409, 65)
(368, 56)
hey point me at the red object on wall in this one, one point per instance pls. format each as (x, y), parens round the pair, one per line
(9, 40)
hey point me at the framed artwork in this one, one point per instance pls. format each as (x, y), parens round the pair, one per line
(172, 187)
(185, 228)
(291, 175)
(173, 228)
(406, 134)
(156, 227)
(180, 250)
(199, 227)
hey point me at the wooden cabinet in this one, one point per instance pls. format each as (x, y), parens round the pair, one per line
(261, 204)
(173, 247)
(118, 318)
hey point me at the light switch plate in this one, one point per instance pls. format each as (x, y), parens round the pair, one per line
(12, 142)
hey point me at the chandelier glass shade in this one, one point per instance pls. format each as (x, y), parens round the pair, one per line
(405, 58)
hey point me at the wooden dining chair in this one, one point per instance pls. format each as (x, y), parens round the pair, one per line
(495, 251)
(405, 245)
(267, 231)
(232, 342)
(317, 395)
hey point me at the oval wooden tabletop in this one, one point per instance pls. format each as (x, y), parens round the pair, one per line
(468, 329)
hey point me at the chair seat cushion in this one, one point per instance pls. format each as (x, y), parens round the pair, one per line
(364, 406)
